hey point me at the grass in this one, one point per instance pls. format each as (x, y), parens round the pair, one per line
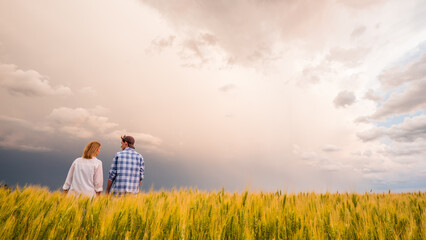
(36, 213)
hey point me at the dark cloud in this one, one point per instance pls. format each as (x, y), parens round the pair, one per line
(399, 75)
(50, 169)
(23, 135)
(410, 130)
(412, 99)
(412, 81)
(46, 169)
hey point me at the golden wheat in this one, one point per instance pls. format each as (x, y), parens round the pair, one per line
(36, 213)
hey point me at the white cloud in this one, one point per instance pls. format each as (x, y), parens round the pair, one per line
(319, 161)
(88, 91)
(162, 43)
(88, 123)
(358, 31)
(405, 143)
(142, 140)
(314, 74)
(344, 98)
(409, 101)
(330, 148)
(80, 122)
(360, 4)
(405, 151)
(234, 26)
(28, 83)
(372, 134)
(411, 79)
(382, 164)
(325, 41)
(199, 49)
(66, 122)
(412, 129)
(227, 87)
(400, 74)
(351, 57)
(370, 95)
(25, 124)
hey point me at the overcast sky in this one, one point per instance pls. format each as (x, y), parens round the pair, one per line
(320, 95)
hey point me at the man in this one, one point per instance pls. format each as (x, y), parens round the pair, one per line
(127, 169)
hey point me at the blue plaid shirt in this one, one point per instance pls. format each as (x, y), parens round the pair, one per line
(127, 170)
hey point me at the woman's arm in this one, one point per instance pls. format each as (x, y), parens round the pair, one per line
(69, 178)
(98, 179)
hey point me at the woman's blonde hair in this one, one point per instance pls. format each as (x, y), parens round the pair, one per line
(91, 149)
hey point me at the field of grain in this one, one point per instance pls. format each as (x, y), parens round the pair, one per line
(36, 213)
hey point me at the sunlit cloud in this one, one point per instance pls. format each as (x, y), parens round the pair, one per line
(145, 141)
(79, 122)
(88, 91)
(28, 82)
(66, 123)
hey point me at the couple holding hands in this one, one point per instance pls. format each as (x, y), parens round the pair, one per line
(125, 176)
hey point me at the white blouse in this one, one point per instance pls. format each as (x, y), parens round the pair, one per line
(85, 177)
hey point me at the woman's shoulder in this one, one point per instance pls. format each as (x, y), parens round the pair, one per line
(96, 160)
(89, 161)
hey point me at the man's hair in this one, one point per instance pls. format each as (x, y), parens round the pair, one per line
(91, 149)
(129, 140)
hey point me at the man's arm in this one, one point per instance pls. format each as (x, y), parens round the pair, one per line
(142, 171)
(108, 186)
(112, 174)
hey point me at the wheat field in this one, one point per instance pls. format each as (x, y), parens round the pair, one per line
(36, 213)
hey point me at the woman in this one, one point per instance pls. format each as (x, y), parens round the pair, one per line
(85, 175)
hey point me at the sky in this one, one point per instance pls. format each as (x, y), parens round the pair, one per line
(320, 95)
